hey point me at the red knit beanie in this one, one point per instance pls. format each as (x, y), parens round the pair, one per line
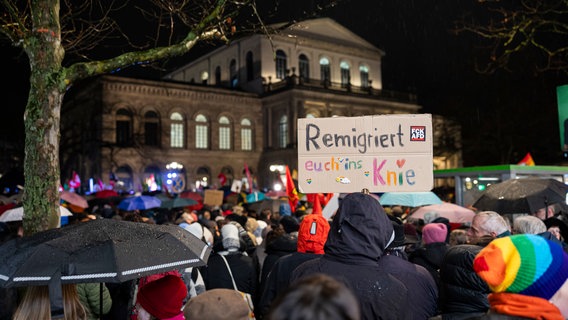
(434, 232)
(163, 298)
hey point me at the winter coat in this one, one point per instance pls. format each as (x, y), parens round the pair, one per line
(359, 234)
(278, 280)
(430, 256)
(462, 291)
(215, 273)
(283, 245)
(90, 297)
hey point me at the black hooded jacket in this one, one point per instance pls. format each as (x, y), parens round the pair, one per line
(360, 231)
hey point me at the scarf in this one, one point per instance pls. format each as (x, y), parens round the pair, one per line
(524, 306)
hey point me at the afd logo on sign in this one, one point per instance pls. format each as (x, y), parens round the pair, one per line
(417, 133)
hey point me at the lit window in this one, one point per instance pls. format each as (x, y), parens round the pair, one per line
(345, 73)
(201, 132)
(224, 133)
(246, 135)
(176, 130)
(364, 71)
(325, 72)
(283, 132)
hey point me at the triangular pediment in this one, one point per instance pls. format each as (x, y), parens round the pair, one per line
(323, 29)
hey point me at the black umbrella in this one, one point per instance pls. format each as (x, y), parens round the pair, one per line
(522, 195)
(102, 250)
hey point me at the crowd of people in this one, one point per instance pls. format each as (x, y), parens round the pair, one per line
(365, 262)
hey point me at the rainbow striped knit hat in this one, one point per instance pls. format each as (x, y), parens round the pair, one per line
(526, 264)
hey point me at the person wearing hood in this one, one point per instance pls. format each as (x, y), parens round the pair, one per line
(386, 286)
(312, 235)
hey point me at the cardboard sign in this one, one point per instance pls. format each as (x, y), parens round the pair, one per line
(385, 153)
(213, 197)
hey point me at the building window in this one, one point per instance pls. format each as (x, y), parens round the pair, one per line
(202, 178)
(233, 73)
(123, 128)
(246, 135)
(224, 133)
(176, 130)
(304, 66)
(218, 75)
(204, 77)
(151, 129)
(364, 71)
(283, 132)
(325, 72)
(345, 74)
(250, 66)
(280, 64)
(201, 132)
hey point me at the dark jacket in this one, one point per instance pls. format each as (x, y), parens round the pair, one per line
(278, 280)
(462, 291)
(279, 247)
(216, 275)
(360, 231)
(430, 256)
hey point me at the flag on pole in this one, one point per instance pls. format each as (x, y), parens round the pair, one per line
(75, 181)
(291, 191)
(223, 178)
(527, 160)
(249, 180)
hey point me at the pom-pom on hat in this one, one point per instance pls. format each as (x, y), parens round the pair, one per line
(163, 298)
(526, 264)
(434, 232)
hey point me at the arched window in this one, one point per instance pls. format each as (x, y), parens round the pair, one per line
(233, 73)
(345, 74)
(246, 135)
(201, 132)
(304, 66)
(176, 130)
(283, 132)
(151, 129)
(203, 177)
(280, 64)
(224, 133)
(250, 66)
(364, 74)
(325, 71)
(218, 76)
(124, 179)
(123, 128)
(204, 77)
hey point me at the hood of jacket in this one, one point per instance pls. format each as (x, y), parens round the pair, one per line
(360, 231)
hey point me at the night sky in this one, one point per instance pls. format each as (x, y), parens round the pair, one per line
(503, 115)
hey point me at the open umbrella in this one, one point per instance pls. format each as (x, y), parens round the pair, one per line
(521, 195)
(195, 196)
(255, 196)
(409, 199)
(102, 250)
(74, 199)
(451, 211)
(175, 202)
(106, 194)
(139, 203)
(17, 214)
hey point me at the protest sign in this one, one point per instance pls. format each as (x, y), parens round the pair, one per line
(384, 153)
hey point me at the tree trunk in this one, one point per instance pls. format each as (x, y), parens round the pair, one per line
(41, 120)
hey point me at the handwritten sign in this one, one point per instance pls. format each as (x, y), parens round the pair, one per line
(383, 153)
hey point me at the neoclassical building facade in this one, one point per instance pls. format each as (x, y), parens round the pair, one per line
(232, 110)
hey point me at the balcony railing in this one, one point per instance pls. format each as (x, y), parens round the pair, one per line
(319, 85)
